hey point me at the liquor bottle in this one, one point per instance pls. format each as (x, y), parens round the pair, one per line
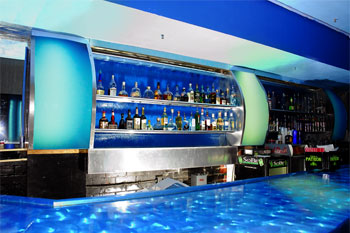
(207, 122)
(103, 124)
(220, 122)
(217, 101)
(202, 95)
(186, 125)
(168, 95)
(197, 117)
(122, 122)
(202, 120)
(233, 97)
(129, 121)
(112, 124)
(100, 89)
(222, 98)
(197, 95)
(123, 91)
(112, 91)
(213, 122)
(171, 124)
(228, 96)
(157, 92)
(164, 120)
(177, 96)
(283, 102)
(213, 95)
(143, 120)
(137, 120)
(190, 94)
(178, 121)
(148, 93)
(226, 122)
(207, 96)
(273, 100)
(158, 125)
(291, 103)
(192, 123)
(149, 125)
(135, 91)
(231, 122)
(269, 100)
(184, 96)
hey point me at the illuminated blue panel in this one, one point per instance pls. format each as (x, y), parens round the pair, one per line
(63, 94)
(340, 116)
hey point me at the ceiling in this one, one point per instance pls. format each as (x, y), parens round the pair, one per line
(139, 30)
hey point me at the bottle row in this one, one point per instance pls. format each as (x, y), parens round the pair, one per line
(303, 123)
(308, 103)
(213, 96)
(227, 122)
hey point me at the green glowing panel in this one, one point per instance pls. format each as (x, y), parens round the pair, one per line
(63, 94)
(256, 107)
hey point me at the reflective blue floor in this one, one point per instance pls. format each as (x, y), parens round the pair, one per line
(300, 203)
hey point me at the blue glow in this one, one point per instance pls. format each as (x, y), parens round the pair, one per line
(340, 116)
(63, 94)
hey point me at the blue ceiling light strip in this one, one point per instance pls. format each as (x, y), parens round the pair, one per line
(259, 21)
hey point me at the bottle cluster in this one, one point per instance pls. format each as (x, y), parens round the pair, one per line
(225, 121)
(306, 102)
(229, 96)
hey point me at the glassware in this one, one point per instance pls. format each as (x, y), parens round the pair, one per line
(158, 125)
(177, 96)
(112, 124)
(227, 96)
(231, 122)
(202, 95)
(207, 96)
(192, 123)
(168, 95)
(184, 96)
(222, 98)
(157, 92)
(123, 91)
(122, 122)
(220, 122)
(217, 97)
(197, 118)
(226, 122)
(112, 91)
(143, 120)
(137, 120)
(129, 121)
(149, 125)
(207, 122)
(213, 95)
(186, 123)
(171, 125)
(100, 89)
(148, 93)
(202, 120)
(164, 120)
(213, 122)
(178, 120)
(135, 91)
(103, 123)
(197, 95)
(190, 94)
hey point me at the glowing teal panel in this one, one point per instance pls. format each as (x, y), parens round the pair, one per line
(340, 116)
(256, 108)
(63, 94)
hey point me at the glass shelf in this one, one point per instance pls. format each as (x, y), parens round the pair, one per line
(124, 131)
(123, 99)
(298, 112)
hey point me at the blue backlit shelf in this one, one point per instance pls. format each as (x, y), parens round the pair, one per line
(122, 99)
(124, 131)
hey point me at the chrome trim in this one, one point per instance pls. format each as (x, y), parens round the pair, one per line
(125, 131)
(123, 99)
(93, 111)
(149, 159)
(31, 94)
(61, 35)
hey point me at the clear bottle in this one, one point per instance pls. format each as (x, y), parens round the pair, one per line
(184, 96)
(168, 95)
(217, 101)
(158, 125)
(202, 95)
(137, 120)
(158, 93)
(164, 120)
(207, 96)
(213, 122)
(177, 96)
(135, 91)
(269, 100)
(197, 118)
(103, 123)
(178, 121)
(197, 95)
(129, 121)
(190, 94)
(222, 98)
(202, 120)
(122, 122)
(143, 120)
(149, 125)
(226, 122)
(148, 93)
(100, 89)
(220, 122)
(112, 91)
(171, 125)
(186, 125)
(233, 96)
(192, 123)
(207, 122)
(112, 124)
(228, 96)
(123, 91)
(231, 122)
(213, 95)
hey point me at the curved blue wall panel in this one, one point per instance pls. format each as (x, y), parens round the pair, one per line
(340, 116)
(63, 94)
